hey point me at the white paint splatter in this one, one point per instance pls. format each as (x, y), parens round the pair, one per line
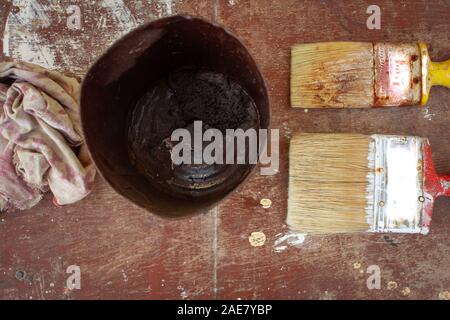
(164, 8)
(123, 18)
(426, 114)
(287, 130)
(444, 295)
(183, 292)
(266, 203)
(31, 9)
(280, 249)
(406, 291)
(232, 2)
(125, 276)
(257, 239)
(294, 239)
(20, 39)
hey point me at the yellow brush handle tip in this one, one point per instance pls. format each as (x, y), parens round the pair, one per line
(433, 73)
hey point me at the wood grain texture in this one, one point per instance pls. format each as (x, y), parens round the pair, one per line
(125, 252)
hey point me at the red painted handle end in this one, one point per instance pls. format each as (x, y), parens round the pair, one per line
(435, 185)
(445, 183)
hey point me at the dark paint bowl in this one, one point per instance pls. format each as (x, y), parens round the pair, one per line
(134, 66)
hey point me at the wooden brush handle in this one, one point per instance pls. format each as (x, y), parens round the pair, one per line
(440, 73)
(445, 182)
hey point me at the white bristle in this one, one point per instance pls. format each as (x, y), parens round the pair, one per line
(328, 183)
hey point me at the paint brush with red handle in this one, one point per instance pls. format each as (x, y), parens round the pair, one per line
(342, 183)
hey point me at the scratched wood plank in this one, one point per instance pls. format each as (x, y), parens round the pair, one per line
(333, 267)
(122, 251)
(125, 252)
(42, 32)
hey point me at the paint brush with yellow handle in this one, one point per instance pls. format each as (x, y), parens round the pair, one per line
(363, 74)
(344, 183)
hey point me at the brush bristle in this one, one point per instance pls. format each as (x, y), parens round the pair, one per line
(330, 183)
(333, 75)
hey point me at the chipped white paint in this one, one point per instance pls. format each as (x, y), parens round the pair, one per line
(29, 31)
(232, 2)
(20, 39)
(33, 9)
(280, 249)
(294, 239)
(257, 239)
(356, 265)
(183, 292)
(164, 8)
(123, 19)
(215, 214)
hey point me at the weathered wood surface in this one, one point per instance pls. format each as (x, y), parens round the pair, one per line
(125, 252)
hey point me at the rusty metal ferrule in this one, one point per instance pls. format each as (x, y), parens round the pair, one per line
(426, 81)
(398, 74)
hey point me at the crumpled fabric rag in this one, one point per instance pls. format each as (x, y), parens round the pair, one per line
(41, 142)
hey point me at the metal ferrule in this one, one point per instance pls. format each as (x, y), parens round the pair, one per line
(395, 192)
(397, 75)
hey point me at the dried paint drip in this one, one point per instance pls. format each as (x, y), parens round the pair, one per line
(266, 203)
(257, 239)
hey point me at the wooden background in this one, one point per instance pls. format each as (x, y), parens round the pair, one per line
(125, 252)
